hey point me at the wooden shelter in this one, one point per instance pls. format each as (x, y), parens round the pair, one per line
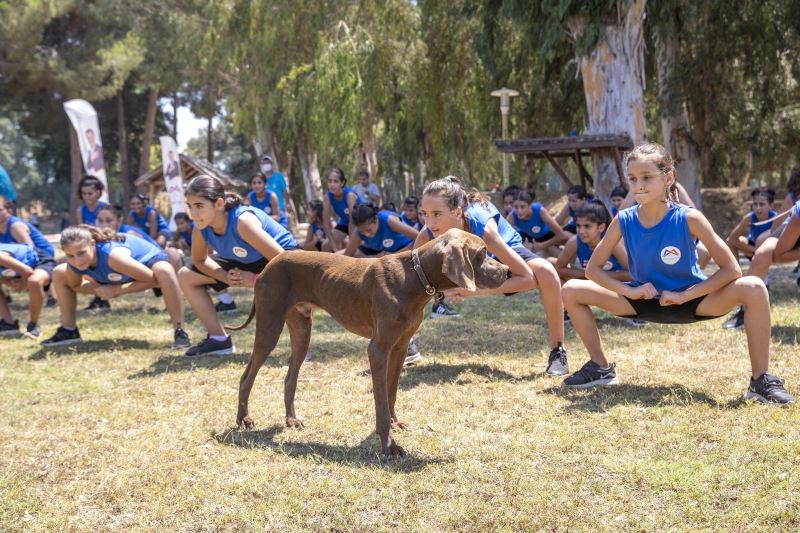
(191, 166)
(574, 148)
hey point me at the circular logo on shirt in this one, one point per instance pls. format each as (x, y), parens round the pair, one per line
(8, 273)
(238, 251)
(114, 277)
(670, 255)
(536, 229)
(388, 243)
(608, 266)
(346, 210)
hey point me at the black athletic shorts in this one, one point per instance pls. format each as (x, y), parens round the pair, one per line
(526, 256)
(571, 227)
(651, 311)
(344, 228)
(229, 264)
(368, 251)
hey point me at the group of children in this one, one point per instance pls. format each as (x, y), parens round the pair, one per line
(644, 261)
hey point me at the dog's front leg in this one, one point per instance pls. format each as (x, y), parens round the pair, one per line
(379, 368)
(396, 359)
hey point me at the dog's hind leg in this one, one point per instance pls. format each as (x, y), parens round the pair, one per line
(299, 319)
(379, 351)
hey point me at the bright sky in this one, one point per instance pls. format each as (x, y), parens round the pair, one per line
(189, 126)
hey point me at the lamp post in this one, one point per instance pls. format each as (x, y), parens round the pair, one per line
(505, 95)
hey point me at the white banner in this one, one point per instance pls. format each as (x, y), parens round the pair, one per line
(84, 119)
(173, 179)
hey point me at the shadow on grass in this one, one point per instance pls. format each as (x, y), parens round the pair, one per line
(786, 334)
(366, 453)
(179, 363)
(433, 373)
(600, 399)
(94, 346)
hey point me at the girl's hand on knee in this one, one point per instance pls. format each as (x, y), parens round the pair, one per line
(642, 292)
(456, 294)
(235, 277)
(672, 298)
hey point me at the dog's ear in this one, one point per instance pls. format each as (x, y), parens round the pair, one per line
(456, 264)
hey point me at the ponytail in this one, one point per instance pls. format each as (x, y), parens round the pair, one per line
(212, 189)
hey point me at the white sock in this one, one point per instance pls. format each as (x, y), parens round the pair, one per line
(219, 338)
(225, 298)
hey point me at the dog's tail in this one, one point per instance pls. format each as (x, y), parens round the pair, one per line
(246, 322)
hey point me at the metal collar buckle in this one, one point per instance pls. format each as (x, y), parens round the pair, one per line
(429, 289)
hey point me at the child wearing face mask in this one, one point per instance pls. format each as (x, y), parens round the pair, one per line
(276, 184)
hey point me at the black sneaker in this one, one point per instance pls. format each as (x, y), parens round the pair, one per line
(51, 302)
(33, 330)
(768, 389)
(181, 339)
(736, 320)
(63, 337)
(567, 319)
(9, 329)
(557, 362)
(225, 308)
(442, 310)
(211, 347)
(98, 304)
(591, 375)
(412, 354)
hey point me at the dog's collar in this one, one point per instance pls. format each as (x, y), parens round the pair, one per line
(429, 289)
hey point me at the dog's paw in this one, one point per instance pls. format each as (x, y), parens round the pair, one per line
(393, 450)
(246, 423)
(292, 422)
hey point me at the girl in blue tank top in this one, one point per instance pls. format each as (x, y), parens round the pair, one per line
(23, 267)
(660, 240)
(339, 201)
(378, 232)
(14, 230)
(782, 246)
(265, 199)
(540, 232)
(577, 197)
(446, 205)
(107, 264)
(146, 217)
(244, 239)
(410, 214)
(744, 237)
(315, 234)
(591, 222)
(90, 190)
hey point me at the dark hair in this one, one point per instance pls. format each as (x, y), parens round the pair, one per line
(91, 181)
(316, 207)
(511, 190)
(662, 159)
(363, 173)
(142, 197)
(619, 191)
(114, 209)
(364, 213)
(211, 188)
(524, 196)
(579, 191)
(181, 216)
(769, 194)
(793, 185)
(85, 233)
(258, 175)
(340, 172)
(594, 212)
(411, 201)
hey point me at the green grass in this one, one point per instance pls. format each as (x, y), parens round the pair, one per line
(123, 434)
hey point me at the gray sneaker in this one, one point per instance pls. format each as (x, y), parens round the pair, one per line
(412, 354)
(9, 329)
(33, 330)
(557, 362)
(181, 339)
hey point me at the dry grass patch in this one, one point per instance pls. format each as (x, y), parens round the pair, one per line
(123, 434)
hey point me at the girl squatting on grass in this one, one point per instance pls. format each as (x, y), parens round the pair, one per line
(244, 238)
(109, 264)
(668, 286)
(446, 205)
(24, 267)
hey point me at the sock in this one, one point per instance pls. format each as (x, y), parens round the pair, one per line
(225, 298)
(219, 338)
(73, 328)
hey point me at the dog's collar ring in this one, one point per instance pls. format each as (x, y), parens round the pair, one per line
(429, 289)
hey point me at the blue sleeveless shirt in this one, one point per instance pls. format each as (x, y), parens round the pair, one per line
(585, 253)
(340, 206)
(187, 235)
(143, 222)
(385, 239)
(478, 216)
(664, 255)
(90, 217)
(24, 253)
(231, 245)
(266, 207)
(416, 225)
(141, 251)
(39, 240)
(534, 226)
(757, 229)
(137, 232)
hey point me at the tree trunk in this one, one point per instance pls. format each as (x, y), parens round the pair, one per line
(675, 127)
(76, 171)
(613, 84)
(122, 134)
(210, 139)
(149, 128)
(748, 170)
(310, 170)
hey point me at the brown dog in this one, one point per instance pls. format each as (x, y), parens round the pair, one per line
(380, 299)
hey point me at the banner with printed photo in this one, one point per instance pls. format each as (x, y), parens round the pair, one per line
(83, 118)
(173, 179)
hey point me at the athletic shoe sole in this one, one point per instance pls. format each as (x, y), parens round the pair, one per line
(412, 359)
(10, 333)
(441, 315)
(226, 311)
(34, 336)
(556, 374)
(635, 324)
(221, 351)
(62, 343)
(183, 345)
(606, 382)
(757, 397)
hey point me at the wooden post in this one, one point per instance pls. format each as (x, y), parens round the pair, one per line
(618, 164)
(558, 168)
